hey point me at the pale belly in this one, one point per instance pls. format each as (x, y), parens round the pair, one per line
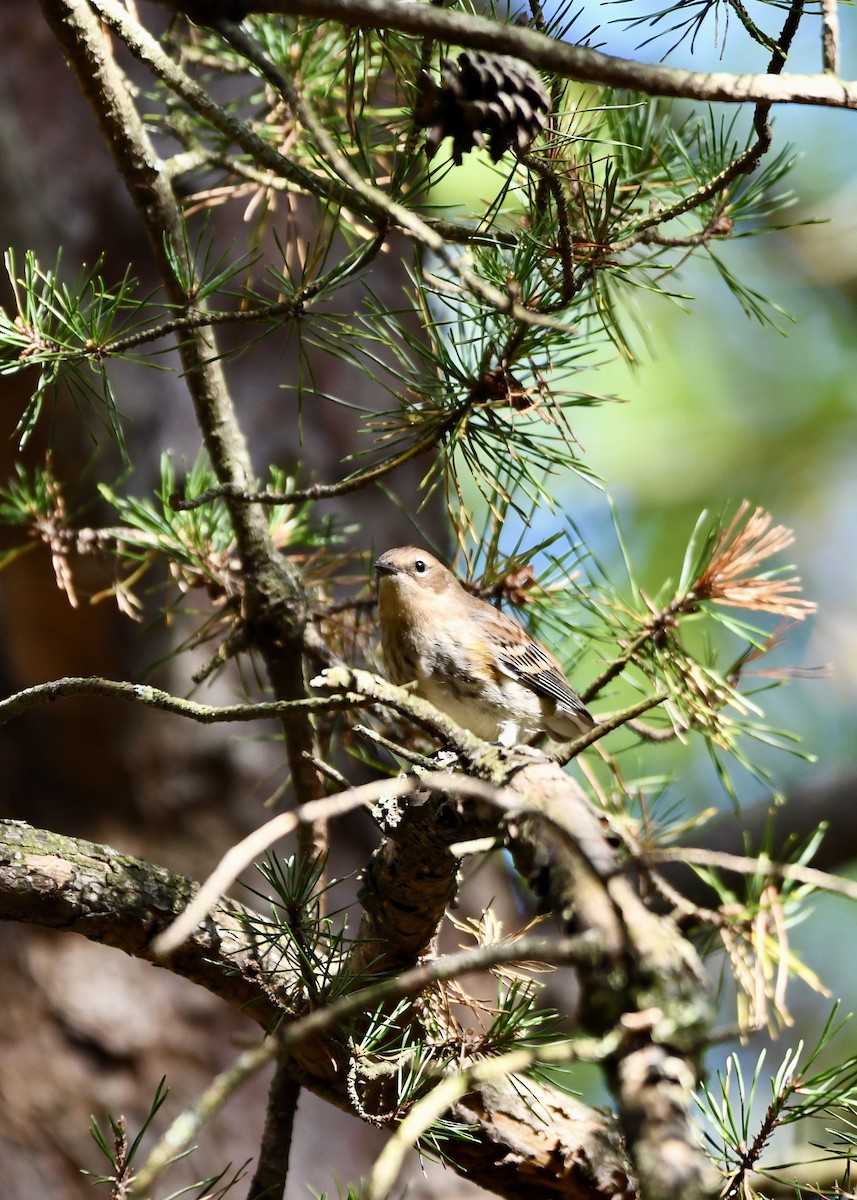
(508, 714)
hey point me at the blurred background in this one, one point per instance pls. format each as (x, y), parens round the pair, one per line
(719, 407)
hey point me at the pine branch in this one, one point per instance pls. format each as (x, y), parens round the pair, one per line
(519, 1142)
(567, 60)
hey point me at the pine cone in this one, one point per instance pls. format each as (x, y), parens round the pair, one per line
(487, 99)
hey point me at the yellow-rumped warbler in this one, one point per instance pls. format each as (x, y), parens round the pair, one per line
(467, 658)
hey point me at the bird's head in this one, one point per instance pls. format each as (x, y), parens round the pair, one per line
(408, 571)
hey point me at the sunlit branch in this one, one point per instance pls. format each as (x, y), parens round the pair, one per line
(572, 62)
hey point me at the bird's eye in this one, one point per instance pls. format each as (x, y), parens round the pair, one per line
(420, 566)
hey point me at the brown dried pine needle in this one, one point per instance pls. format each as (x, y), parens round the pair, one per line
(730, 576)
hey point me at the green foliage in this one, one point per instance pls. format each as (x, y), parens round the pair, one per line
(27, 496)
(308, 944)
(61, 331)
(518, 1021)
(196, 544)
(197, 267)
(480, 389)
(423, 1055)
(122, 1155)
(119, 1152)
(741, 1128)
(754, 934)
(198, 541)
(348, 1191)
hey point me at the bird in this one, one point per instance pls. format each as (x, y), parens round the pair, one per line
(470, 660)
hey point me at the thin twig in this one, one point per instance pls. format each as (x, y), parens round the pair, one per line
(188, 322)
(758, 35)
(327, 491)
(269, 1178)
(645, 233)
(830, 44)
(243, 853)
(444, 1095)
(616, 721)
(403, 752)
(650, 734)
(365, 690)
(744, 865)
(187, 1125)
(290, 307)
(557, 951)
(152, 697)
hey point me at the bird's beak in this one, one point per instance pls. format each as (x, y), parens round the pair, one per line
(384, 568)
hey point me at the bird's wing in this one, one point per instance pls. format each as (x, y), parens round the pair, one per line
(527, 662)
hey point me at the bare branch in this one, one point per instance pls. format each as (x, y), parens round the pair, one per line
(570, 61)
(830, 43)
(269, 1178)
(761, 865)
(66, 883)
(151, 697)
